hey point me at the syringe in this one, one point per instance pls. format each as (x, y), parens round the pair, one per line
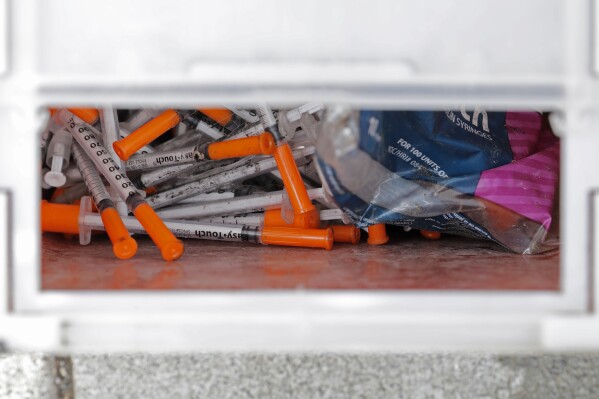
(170, 247)
(58, 157)
(263, 144)
(110, 133)
(272, 218)
(191, 171)
(45, 136)
(304, 212)
(59, 150)
(156, 127)
(160, 175)
(202, 171)
(75, 219)
(147, 133)
(123, 246)
(232, 206)
(212, 183)
(161, 159)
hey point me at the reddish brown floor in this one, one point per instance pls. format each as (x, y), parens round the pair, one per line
(409, 262)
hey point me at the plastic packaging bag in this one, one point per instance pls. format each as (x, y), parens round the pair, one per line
(480, 174)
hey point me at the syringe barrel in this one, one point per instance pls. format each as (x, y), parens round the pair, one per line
(161, 159)
(86, 136)
(161, 175)
(92, 178)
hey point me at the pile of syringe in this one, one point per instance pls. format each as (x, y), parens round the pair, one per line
(230, 174)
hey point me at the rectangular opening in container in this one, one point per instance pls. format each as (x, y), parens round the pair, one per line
(489, 176)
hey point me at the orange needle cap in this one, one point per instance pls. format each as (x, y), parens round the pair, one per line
(257, 145)
(88, 115)
(170, 246)
(431, 235)
(346, 233)
(312, 238)
(298, 195)
(377, 234)
(59, 218)
(123, 245)
(147, 133)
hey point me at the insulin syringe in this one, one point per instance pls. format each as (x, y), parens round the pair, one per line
(263, 144)
(232, 206)
(59, 148)
(123, 246)
(243, 172)
(170, 247)
(304, 211)
(59, 218)
(272, 218)
(159, 125)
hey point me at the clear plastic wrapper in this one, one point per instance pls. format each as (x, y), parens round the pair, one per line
(480, 174)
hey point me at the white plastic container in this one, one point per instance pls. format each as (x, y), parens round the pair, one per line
(385, 54)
